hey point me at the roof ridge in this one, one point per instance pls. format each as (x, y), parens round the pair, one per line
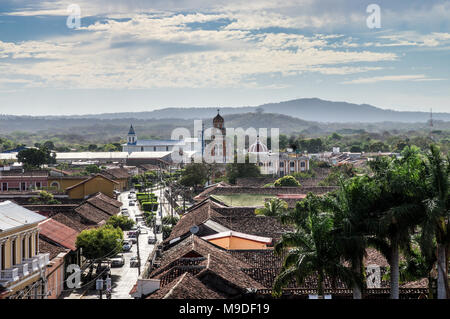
(176, 285)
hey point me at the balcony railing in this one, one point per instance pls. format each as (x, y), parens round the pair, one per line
(44, 259)
(33, 263)
(23, 269)
(9, 275)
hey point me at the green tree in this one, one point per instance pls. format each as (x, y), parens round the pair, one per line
(399, 207)
(32, 157)
(237, 170)
(100, 243)
(310, 249)
(92, 169)
(273, 207)
(170, 220)
(287, 181)
(123, 222)
(436, 224)
(350, 206)
(194, 174)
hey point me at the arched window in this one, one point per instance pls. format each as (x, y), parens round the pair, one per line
(54, 185)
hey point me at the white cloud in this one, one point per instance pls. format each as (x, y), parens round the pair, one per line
(395, 78)
(163, 51)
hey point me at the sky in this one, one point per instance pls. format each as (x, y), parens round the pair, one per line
(136, 55)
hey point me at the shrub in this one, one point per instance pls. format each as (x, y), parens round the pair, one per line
(287, 181)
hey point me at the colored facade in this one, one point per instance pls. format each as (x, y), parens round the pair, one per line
(236, 241)
(293, 163)
(22, 267)
(64, 182)
(22, 181)
(92, 185)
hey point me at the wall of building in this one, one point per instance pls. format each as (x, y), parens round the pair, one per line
(15, 183)
(55, 276)
(236, 243)
(94, 185)
(63, 183)
(7, 238)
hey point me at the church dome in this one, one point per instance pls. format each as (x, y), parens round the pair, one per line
(218, 119)
(258, 147)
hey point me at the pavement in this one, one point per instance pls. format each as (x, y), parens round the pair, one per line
(123, 278)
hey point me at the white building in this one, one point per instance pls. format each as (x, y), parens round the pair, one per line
(135, 145)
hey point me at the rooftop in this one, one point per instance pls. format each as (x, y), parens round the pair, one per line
(59, 233)
(14, 216)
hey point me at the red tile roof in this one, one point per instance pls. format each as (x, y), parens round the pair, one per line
(59, 233)
(291, 196)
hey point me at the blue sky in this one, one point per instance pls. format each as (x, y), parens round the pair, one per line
(141, 55)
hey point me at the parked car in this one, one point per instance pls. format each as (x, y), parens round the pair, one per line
(117, 261)
(143, 231)
(126, 214)
(151, 239)
(132, 203)
(132, 191)
(134, 262)
(127, 245)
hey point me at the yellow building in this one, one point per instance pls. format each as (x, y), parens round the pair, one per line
(22, 267)
(232, 240)
(64, 182)
(95, 184)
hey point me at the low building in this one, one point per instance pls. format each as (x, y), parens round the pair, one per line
(135, 145)
(92, 185)
(22, 266)
(120, 175)
(62, 183)
(292, 163)
(18, 180)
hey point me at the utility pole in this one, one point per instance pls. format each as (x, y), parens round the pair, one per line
(138, 232)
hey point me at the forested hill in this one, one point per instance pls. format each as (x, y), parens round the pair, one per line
(307, 109)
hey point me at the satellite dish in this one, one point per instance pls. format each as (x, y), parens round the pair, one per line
(194, 229)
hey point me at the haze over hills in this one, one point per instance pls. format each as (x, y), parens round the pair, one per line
(312, 109)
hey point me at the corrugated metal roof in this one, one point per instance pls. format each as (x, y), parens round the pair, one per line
(59, 233)
(13, 215)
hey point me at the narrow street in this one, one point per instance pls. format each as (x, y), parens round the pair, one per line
(123, 278)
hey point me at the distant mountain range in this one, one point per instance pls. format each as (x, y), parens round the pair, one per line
(314, 109)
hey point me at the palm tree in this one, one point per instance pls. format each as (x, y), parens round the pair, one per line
(437, 215)
(399, 208)
(309, 250)
(350, 206)
(273, 207)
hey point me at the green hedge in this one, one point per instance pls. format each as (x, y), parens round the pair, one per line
(150, 206)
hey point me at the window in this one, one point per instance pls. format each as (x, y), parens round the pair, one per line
(23, 248)
(54, 185)
(38, 184)
(30, 247)
(23, 186)
(167, 148)
(2, 257)
(281, 164)
(154, 148)
(4, 186)
(142, 148)
(36, 246)
(302, 164)
(13, 253)
(292, 164)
